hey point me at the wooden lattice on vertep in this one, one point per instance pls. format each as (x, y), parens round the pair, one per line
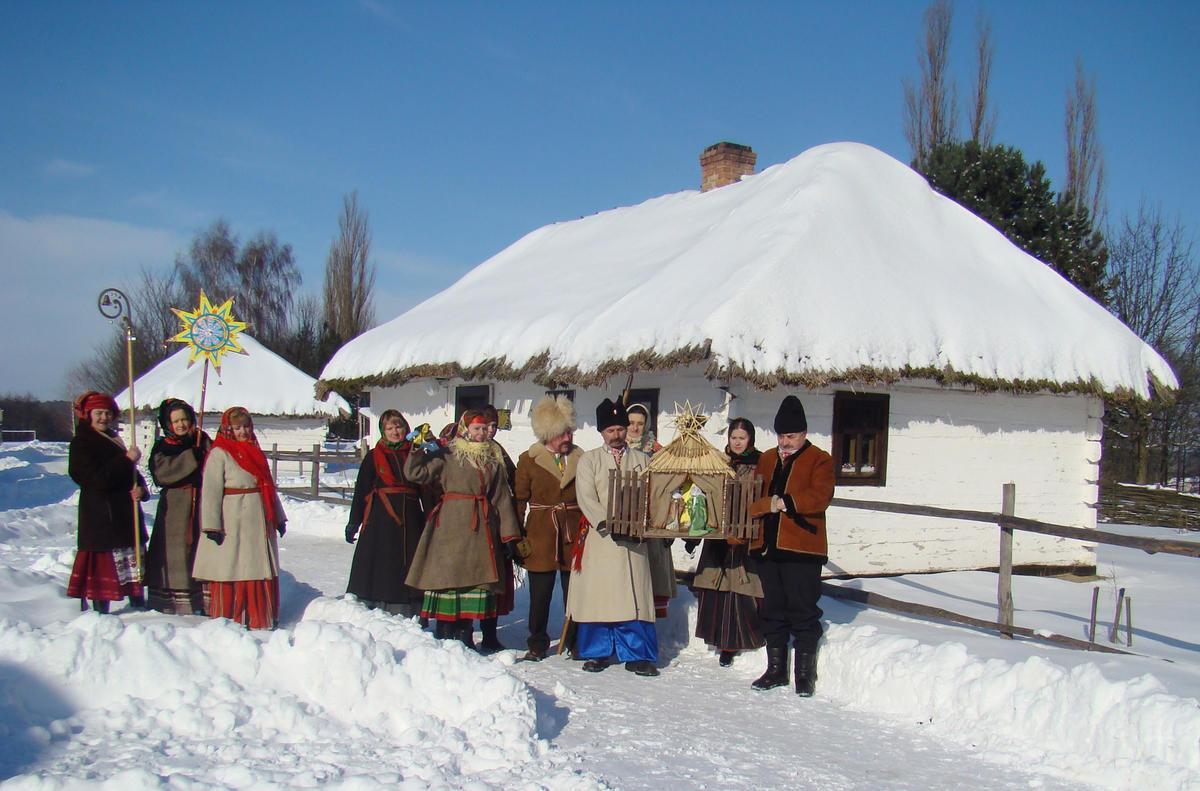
(688, 491)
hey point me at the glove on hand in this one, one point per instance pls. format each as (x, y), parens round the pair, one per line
(216, 538)
(351, 532)
(602, 528)
(282, 528)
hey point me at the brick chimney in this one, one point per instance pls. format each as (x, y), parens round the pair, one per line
(725, 163)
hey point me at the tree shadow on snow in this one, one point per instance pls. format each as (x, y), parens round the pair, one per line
(31, 712)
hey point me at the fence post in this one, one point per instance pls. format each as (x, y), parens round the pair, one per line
(1004, 586)
(316, 470)
(274, 461)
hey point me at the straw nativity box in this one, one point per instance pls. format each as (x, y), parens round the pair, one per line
(688, 491)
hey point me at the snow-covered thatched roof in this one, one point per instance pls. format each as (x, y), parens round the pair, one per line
(839, 265)
(261, 381)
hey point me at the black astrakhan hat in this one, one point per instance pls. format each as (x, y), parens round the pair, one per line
(790, 418)
(611, 413)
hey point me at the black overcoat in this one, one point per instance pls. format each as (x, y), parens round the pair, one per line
(106, 477)
(391, 527)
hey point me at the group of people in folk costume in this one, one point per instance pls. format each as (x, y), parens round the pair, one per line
(439, 523)
(214, 546)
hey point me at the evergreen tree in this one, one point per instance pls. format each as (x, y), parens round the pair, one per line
(995, 183)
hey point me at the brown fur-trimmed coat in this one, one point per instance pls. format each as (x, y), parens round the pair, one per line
(539, 483)
(806, 494)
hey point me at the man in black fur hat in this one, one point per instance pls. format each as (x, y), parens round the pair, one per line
(792, 547)
(611, 596)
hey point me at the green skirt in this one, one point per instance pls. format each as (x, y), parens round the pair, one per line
(459, 604)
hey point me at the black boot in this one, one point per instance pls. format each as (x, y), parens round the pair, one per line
(806, 674)
(466, 632)
(490, 643)
(777, 669)
(100, 606)
(442, 629)
(727, 658)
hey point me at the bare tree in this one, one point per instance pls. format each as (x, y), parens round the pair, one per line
(210, 263)
(983, 119)
(349, 276)
(268, 279)
(1085, 159)
(931, 108)
(1154, 273)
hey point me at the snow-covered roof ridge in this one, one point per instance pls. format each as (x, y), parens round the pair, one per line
(841, 264)
(261, 381)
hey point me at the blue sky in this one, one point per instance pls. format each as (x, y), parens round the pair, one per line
(129, 126)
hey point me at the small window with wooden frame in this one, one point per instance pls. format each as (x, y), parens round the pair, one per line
(860, 428)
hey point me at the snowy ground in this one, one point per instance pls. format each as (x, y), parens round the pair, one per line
(346, 697)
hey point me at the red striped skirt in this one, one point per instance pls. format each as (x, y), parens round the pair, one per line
(252, 603)
(110, 575)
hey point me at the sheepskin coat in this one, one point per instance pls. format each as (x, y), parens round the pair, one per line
(548, 495)
(460, 546)
(250, 550)
(613, 583)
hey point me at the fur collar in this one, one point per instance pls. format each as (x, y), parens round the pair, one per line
(477, 454)
(545, 459)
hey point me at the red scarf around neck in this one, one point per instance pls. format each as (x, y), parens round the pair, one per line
(250, 458)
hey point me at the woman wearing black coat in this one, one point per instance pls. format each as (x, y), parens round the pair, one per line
(387, 519)
(176, 463)
(105, 567)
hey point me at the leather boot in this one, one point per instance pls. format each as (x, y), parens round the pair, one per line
(491, 642)
(806, 673)
(466, 632)
(727, 658)
(777, 669)
(442, 629)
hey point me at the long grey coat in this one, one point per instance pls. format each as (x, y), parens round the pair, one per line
(460, 545)
(250, 550)
(173, 543)
(614, 583)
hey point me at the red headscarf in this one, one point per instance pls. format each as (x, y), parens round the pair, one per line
(94, 399)
(249, 457)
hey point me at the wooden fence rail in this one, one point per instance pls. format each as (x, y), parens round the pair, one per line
(1007, 522)
(315, 490)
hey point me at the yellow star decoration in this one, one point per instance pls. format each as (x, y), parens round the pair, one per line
(209, 332)
(689, 419)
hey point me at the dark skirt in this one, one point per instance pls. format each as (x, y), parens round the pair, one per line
(104, 575)
(384, 551)
(728, 621)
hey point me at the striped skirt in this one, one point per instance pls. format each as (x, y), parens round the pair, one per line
(459, 604)
(104, 576)
(252, 603)
(728, 621)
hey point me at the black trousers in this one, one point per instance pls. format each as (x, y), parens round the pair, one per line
(791, 591)
(541, 594)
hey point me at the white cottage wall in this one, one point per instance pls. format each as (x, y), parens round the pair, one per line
(947, 447)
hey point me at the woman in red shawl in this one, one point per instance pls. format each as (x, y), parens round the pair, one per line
(110, 487)
(387, 509)
(240, 515)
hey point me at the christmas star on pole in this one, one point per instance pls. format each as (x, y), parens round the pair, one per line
(210, 332)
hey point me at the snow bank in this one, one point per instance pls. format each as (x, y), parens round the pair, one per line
(348, 696)
(854, 237)
(1076, 723)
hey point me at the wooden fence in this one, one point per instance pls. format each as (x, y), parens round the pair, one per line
(1007, 522)
(1142, 505)
(339, 493)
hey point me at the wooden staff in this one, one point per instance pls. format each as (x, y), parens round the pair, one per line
(137, 506)
(203, 391)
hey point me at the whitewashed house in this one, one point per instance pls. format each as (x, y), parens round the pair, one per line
(936, 360)
(280, 396)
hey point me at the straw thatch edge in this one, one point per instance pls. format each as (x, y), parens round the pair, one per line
(537, 368)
